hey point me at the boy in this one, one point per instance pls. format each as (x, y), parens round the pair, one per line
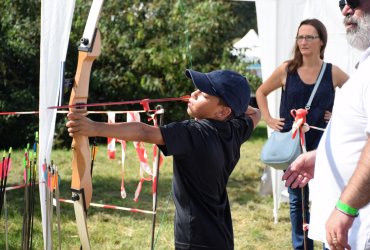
(205, 151)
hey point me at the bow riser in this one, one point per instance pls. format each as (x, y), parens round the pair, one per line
(81, 185)
(81, 163)
(80, 88)
(81, 169)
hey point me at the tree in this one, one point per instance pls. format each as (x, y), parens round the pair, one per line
(19, 64)
(146, 46)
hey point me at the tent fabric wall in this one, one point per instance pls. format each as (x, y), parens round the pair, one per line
(276, 33)
(56, 20)
(277, 22)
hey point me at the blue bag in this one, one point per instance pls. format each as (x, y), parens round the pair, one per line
(280, 149)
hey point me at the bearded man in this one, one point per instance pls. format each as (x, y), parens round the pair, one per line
(340, 192)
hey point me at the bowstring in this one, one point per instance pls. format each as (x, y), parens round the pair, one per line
(189, 56)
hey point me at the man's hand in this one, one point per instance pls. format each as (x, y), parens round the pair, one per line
(301, 171)
(337, 227)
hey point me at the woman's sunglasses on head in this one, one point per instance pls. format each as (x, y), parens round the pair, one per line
(353, 4)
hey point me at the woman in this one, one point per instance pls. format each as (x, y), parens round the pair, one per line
(297, 78)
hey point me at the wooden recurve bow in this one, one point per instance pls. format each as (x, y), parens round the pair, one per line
(81, 185)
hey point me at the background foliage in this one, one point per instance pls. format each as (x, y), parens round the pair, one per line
(146, 46)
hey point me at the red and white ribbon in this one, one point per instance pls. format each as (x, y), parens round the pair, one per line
(146, 172)
(111, 141)
(123, 190)
(142, 155)
(134, 210)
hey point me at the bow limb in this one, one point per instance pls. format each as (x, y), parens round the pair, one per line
(81, 185)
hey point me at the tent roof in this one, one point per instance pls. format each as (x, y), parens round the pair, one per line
(250, 40)
(248, 48)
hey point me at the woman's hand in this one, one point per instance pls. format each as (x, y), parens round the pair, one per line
(275, 124)
(327, 116)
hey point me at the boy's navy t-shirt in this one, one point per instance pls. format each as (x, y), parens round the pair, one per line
(205, 153)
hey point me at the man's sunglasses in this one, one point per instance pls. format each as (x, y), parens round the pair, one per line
(353, 4)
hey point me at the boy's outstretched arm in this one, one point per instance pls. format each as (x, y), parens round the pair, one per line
(129, 131)
(254, 114)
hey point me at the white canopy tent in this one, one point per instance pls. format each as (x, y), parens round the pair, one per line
(56, 20)
(248, 47)
(250, 40)
(277, 22)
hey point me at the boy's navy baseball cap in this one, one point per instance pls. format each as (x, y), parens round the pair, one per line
(230, 86)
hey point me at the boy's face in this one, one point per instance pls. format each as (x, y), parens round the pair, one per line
(202, 105)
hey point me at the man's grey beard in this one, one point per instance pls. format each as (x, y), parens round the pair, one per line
(360, 36)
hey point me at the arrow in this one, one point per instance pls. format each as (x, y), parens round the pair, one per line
(184, 98)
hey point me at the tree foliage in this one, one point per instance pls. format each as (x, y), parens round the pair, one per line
(19, 67)
(146, 46)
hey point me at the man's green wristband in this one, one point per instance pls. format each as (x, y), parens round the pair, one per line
(346, 209)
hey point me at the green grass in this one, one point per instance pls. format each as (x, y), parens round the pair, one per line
(254, 226)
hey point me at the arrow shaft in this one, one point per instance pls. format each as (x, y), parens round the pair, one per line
(183, 98)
